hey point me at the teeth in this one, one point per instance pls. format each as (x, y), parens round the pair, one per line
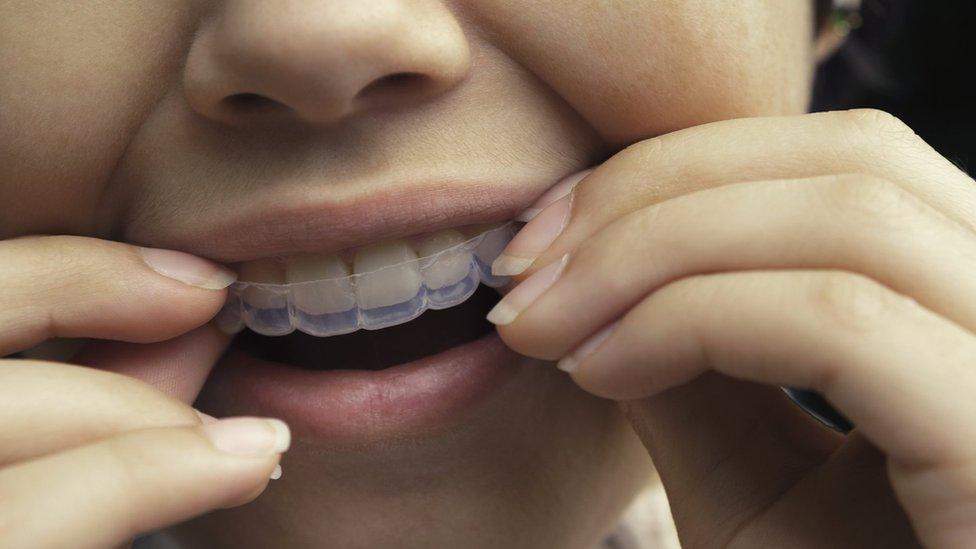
(449, 267)
(332, 291)
(265, 308)
(391, 274)
(267, 271)
(387, 284)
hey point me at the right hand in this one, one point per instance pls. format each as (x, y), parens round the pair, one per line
(93, 456)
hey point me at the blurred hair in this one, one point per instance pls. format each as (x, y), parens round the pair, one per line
(821, 10)
(859, 67)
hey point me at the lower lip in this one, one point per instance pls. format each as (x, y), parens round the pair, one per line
(360, 406)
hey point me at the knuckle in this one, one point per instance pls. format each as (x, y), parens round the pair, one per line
(654, 155)
(694, 295)
(56, 251)
(120, 402)
(690, 289)
(644, 152)
(877, 137)
(853, 302)
(144, 405)
(123, 460)
(127, 462)
(614, 247)
(58, 254)
(880, 125)
(593, 206)
(33, 267)
(646, 221)
(875, 201)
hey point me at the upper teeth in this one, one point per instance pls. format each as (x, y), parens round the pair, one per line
(395, 278)
(264, 271)
(332, 295)
(451, 265)
(322, 295)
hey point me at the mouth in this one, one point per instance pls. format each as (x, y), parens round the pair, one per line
(409, 371)
(370, 385)
(371, 287)
(362, 309)
(301, 353)
(374, 350)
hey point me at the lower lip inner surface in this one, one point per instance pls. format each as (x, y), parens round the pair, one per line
(431, 333)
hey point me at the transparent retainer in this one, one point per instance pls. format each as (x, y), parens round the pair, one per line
(335, 306)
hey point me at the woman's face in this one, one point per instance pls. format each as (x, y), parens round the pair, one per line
(248, 129)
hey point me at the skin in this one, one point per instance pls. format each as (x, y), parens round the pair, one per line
(114, 128)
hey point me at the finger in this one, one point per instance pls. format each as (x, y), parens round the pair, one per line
(902, 373)
(69, 286)
(745, 467)
(853, 223)
(178, 367)
(734, 151)
(47, 407)
(136, 482)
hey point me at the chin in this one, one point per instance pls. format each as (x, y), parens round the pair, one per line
(532, 462)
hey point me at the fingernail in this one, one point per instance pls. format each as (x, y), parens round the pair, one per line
(571, 362)
(276, 474)
(249, 436)
(533, 239)
(554, 193)
(188, 269)
(516, 301)
(546, 218)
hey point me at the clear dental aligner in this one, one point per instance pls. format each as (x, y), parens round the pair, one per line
(446, 273)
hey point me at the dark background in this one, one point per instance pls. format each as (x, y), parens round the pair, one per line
(914, 59)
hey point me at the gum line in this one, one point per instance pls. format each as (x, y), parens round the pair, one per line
(333, 306)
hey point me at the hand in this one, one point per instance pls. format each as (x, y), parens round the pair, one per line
(91, 457)
(707, 267)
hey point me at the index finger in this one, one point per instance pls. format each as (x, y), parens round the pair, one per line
(737, 151)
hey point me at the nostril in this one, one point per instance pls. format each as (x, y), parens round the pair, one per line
(396, 84)
(249, 102)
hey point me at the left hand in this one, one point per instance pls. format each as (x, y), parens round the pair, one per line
(834, 252)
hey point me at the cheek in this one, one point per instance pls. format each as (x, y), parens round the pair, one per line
(639, 69)
(74, 85)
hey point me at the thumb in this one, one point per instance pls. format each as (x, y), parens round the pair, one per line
(77, 287)
(724, 449)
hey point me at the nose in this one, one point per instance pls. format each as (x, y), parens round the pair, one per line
(321, 61)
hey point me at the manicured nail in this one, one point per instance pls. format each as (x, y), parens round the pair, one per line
(276, 474)
(516, 301)
(571, 362)
(546, 218)
(249, 436)
(554, 193)
(533, 239)
(188, 269)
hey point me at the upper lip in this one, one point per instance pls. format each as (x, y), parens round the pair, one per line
(314, 221)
